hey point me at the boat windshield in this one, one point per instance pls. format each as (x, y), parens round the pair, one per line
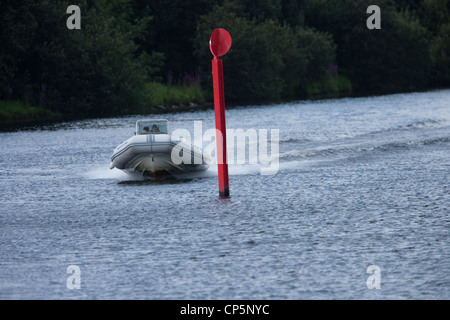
(152, 127)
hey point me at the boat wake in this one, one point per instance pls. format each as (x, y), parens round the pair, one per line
(104, 172)
(414, 135)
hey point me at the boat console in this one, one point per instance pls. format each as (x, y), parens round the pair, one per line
(152, 127)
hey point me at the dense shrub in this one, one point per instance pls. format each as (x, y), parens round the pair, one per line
(130, 55)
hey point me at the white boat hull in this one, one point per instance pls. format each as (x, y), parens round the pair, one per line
(151, 156)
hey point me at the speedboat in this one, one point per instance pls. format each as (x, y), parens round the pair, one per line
(152, 152)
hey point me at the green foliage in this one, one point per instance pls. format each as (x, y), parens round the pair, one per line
(391, 59)
(331, 87)
(440, 57)
(308, 56)
(13, 110)
(131, 54)
(17, 29)
(158, 94)
(171, 31)
(252, 67)
(105, 78)
(267, 61)
(87, 72)
(434, 14)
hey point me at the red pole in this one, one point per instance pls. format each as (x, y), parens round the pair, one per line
(219, 44)
(221, 131)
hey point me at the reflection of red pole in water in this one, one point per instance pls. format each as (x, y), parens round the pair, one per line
(219, 44)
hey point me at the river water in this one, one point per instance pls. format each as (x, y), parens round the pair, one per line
(358, 208)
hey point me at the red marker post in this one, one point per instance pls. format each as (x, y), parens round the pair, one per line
(219, 44)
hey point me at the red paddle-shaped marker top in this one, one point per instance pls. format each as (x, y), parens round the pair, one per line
(220, 42)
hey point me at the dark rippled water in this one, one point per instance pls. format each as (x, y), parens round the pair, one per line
(361, 182)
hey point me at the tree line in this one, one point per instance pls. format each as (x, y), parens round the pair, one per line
(127, 50)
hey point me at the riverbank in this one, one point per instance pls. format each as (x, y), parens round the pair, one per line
(159, 98)
(15, 116)
(15, 113)
(162, 99)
